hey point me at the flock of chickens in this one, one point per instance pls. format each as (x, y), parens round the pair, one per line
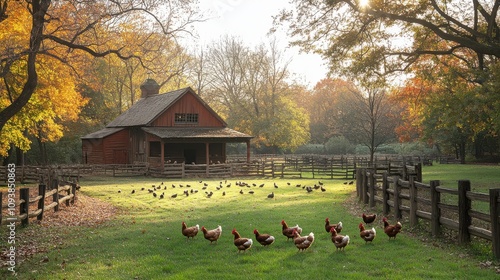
(301, 242)
(187, 190)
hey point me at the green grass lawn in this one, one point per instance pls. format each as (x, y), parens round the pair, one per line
(144, 240)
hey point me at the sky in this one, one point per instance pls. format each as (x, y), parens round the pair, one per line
(250, 20)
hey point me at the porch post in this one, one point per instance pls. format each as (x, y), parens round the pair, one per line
(248, 151)
(147, 149)
(207, 160)
(207, 153)
(162, 154)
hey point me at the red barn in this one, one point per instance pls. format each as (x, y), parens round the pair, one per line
(176, 126)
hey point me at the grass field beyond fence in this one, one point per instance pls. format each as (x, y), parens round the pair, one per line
(144, 240)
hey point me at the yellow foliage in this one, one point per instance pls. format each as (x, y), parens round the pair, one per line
(54, 101)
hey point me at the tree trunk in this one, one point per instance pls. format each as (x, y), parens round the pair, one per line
(43, 152)
(19, 157)
(40, 8)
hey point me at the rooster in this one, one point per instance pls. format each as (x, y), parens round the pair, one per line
(190, 231)
(288, 231)
(240, 242)
(328, 226)
(212, 235)
(367, 234)
(302, 242)
(264, 239)
(368, 219)
(340, 241)
(391, 230)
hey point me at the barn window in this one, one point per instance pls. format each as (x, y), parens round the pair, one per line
(186, 118)
(154, 149)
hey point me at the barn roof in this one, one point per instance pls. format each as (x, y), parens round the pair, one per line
(197, 133)
(146, 110)
(102, 133)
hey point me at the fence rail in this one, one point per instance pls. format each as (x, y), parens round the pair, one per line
(271, 166)
(441, 207)
(59, 194)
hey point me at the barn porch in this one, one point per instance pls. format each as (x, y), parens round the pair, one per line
(192, 145)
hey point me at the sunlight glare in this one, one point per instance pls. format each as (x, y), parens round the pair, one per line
(364, 3)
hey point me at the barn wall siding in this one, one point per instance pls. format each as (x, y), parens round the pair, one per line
(116, 148)
(92, 150)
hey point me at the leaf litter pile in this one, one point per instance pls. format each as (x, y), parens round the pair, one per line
(45, 235)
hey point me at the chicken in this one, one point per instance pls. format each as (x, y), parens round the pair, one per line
(328, 226)
(212, 235)
(340, 241)
(368, 219)
(391, 230)
(241, 243)
(190, 231)
(264, 239)
(367, 234)
(288, 231)
(302, 242)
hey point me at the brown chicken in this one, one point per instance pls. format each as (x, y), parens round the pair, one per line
(302, 242)
(391, 230)
(328, 226)
(212, 235)
(368, 219)
(264, 239)
(241, 243)
(190, 231)
(367, 234)
(288, 231)
(340, 241)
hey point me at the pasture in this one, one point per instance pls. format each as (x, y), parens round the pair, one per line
(144, 240)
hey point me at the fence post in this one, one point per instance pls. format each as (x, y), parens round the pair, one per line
(73, 191)
(68, 193)
(312, 167)
(385, 194)
(397, 199)
(413, 202)
(435, 210)
(41, 202)
(359, 181)
(24, 194)
(495, 220)
(55, 197)
(364, 194)
(464, 205)
(371, 188)
(418, 170)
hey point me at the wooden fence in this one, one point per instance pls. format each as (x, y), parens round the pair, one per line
(59, 194)
(441, 207)
(303, 166)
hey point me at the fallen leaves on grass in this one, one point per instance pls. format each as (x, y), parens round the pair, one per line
(44, 235)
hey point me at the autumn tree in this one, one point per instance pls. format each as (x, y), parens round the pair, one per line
(366, 117)
(378, 39)
(67, 30)
(323, 107)
(387, 36)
